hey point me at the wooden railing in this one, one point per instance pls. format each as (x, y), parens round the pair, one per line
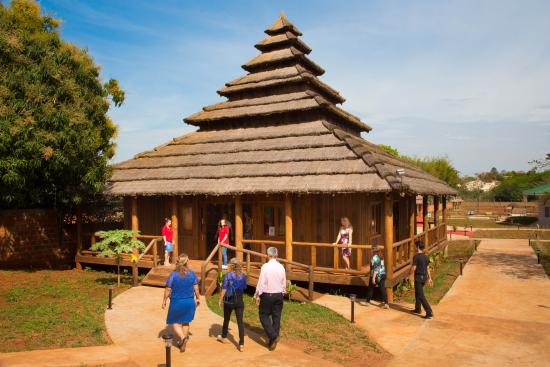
(205, 264)
(336, 253)
(401, 254)
(249, 253)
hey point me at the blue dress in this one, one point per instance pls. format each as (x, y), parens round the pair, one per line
(182, 300)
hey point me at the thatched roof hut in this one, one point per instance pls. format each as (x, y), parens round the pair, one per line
(279, 131)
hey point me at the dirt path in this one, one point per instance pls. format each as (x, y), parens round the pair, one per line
(136, 323)
(496, 314)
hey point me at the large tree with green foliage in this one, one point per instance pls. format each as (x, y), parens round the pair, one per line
(440, 167)
(55, 136)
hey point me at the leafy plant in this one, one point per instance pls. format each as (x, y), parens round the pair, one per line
(115, 243)
(290, 288)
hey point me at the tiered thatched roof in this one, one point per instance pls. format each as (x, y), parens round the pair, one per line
(280, 131)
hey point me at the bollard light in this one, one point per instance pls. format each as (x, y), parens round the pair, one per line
(352, 298)
(168, 345)
(110, 304)
(461, 265)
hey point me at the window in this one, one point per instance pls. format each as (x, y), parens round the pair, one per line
(376, 219)
(274, 221)
(547, 211)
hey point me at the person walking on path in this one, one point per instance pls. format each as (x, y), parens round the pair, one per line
(377, 276)
(420, 274)
(168, 237)
(183, 290)
(269, 296)
(233, 286)
(223, 238)
(344, 238)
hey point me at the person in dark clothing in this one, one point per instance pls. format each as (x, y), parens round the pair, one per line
(377, 277)
(420, 274)
(231, 297)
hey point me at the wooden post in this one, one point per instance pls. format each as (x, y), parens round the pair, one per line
(239, 226)
(412, 224)
(444, 213)
(78, 229)
(335, 257)
(425, 219)
(135, 219)
(263, 251)
(155, 254)
(436, 210)
(174, 219)
(248, 263)
(313, 256)
(220, 258)
(288, 229)
(359, 258)
(310, 285)
(388, 242)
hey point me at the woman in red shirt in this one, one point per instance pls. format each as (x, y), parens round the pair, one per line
(168, 236)
(223, 237)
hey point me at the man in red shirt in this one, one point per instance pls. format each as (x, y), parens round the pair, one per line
(168, 236)
(223, 237)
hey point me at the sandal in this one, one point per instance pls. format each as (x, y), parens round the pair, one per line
(183, 344)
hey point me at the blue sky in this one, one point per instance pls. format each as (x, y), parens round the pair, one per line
(466, 79)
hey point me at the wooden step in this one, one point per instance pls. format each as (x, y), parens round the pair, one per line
(157, 278)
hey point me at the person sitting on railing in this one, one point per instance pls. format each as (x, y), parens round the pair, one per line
(223, 238)
(344, 238)
(377, 277)
(233, 286)
(168, 237)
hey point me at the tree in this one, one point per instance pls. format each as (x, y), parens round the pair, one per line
(115, 243)
(440, 167)
(56, 138)
(541, 164)
(512, 187)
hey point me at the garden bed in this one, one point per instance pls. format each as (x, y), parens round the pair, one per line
(54, 309)
(444, 273)
(316, 330)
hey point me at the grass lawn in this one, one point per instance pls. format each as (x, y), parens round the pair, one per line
(475, 223)
(510, 234)
(444, 274)
(53, 309)
(544, 254)
(317, 330)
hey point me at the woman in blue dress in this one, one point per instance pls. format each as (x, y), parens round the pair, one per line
(183, 290)
(233, 286)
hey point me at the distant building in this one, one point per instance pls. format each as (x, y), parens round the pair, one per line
(540, 194)
(480, 185)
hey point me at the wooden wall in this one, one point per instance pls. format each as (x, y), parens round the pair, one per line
(316, 218)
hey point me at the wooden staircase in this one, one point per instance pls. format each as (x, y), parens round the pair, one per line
(158, 275)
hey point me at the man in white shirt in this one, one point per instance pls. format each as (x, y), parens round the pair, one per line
(269, 296)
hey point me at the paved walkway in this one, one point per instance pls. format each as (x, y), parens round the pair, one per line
(496, 314)
(137, 322)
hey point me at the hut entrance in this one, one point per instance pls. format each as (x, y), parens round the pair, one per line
(215, 212)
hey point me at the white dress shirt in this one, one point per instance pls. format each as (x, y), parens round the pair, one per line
(272, 278)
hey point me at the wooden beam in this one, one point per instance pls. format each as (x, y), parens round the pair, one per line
(444, 212)
(174, 218)
(388, 241)
(436, 210)
(239, 226)
(78, 228)
(412, 224)
(288, 228)
(425, 219)
(134, 211)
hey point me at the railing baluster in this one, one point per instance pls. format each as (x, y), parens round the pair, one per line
(335, 258)
(314, 256)
(247, 263)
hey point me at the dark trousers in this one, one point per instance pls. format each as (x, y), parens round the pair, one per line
(239, 312)
(381, 285)
(420, 298)
(271, 307)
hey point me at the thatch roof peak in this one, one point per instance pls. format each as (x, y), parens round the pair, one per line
(281, 25)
